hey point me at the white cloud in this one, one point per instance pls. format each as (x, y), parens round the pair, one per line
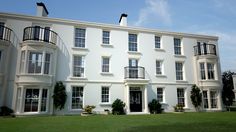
(155, 10)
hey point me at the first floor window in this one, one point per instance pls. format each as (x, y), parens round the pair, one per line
(32, 100)
(179, 70)
(202, 71)
(105, 94)
(105, 64)
(180, 96)
(158, 67)
(160, 94)
(78, 66)
(210, 71)
(205, 99)
(213, 95)
(35, 62)
(22, 65)
(77, 97)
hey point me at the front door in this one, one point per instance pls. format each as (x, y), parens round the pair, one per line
(135, 101)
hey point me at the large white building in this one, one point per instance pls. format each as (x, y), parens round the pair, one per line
(99, 63)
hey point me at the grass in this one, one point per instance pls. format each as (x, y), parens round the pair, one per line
(205, 122)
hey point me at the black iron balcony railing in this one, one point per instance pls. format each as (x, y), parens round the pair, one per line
(5, 33)
(134, 72)
(205, 49)
(38, 33)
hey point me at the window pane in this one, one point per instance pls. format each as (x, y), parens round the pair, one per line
(78, 68)
(47, 63)
(205, 99)
(179, 71)
(157, 42)
(31, 100)
(160, 94)
(80, 37)
(105, 94)
(202, 70)
(44, 100)
(106, 37)
(158, 67)
(132, 42)
(177, 46)
(211, 72)
(35, 62)
(180, 96)
(105, 64)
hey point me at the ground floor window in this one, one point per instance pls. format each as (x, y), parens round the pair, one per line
(213, 95)
(205, 99)
(36, 100)
(105, 94)
(180, 96)
(160, 95)
(77, 97)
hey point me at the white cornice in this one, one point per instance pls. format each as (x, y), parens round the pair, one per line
(102, 25)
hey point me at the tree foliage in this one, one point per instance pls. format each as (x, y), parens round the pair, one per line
(196, 97)
(59, 95)
(228, 93)
(118, 107)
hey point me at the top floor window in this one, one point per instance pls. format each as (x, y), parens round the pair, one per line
(80, 37)
(133, 42)
(157, 42)
(177, 46)
(105, 37)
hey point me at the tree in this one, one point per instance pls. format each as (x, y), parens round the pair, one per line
(228, 93)
(59, 95)
(196, 97)
(118, 107)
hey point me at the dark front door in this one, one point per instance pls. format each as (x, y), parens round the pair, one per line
(135, 101)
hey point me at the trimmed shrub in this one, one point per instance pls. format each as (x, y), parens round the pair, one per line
(154, 107)
(5, 111)
(89, 108)
(179, 108)
(59, 96)
(118, 107)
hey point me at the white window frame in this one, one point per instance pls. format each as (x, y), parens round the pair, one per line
(106, 37)
(82, 66)
(36, 62)
(47, 62)
(157, 42)
(80, 45)
(162, 95)
(107, 95)
(202, 71)
(161, 67)
(105, 67)
(205, 99)
(177, 48)
(133, 45)
(181, 97)
(179, 73)
(214, 99)
(210, 71)
(82, 104)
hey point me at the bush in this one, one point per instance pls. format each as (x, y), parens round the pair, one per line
(179, 108)
(5, 111)
(59, 96)
(88, 108)
(154, 107)
(118, 107)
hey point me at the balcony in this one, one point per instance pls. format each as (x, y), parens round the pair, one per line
(134, 72)
(205, 49)
(40, 34)
(6, 34)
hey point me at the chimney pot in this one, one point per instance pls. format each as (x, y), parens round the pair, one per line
(123, 19)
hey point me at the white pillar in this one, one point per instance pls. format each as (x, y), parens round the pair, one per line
(145, 100)
(127, 99)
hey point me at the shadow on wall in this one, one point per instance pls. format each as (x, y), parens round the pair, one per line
(63, 62)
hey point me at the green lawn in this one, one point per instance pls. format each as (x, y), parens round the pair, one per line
(205, 122)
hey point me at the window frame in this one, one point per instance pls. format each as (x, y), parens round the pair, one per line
(211, 71)
(202, 71)
(105, 67)
(214, 99)
(105, 39)
(81, 42)
(179, 73)
(81, 67)
(36, 62)
(177, 46)
(105, 94)
(160, 95)
(157, 40)
(133, 45)
(160, 72)
(179, 98)
(80, 103)
(205, 99)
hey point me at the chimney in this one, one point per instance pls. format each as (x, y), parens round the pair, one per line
(42, 10)
(123, 20)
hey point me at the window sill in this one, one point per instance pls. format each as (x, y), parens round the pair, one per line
(181, 81)
(209, 80)
(106, 73)
(105, 104)
(80, 49)
(180, 56)
(78, 78)
(134, 52)
(161, 50)
(107, 45)
(160, 75)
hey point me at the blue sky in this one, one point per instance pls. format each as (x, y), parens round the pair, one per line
(211, 17)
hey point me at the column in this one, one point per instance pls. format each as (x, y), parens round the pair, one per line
(127, 99)
(145, 100)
